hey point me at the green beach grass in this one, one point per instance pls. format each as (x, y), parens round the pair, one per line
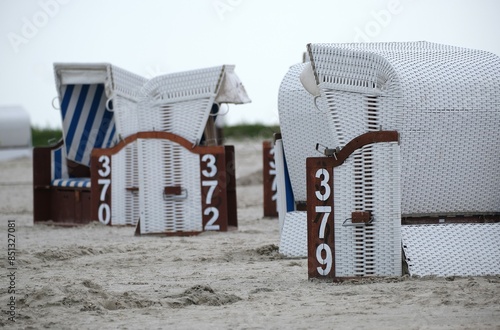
(48, 136)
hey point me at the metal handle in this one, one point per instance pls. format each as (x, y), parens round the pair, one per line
(175, 192)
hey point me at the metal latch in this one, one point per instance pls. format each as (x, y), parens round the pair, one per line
(175, 192)
(359, 218)
(328, 152)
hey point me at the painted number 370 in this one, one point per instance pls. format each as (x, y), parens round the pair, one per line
(104, 211)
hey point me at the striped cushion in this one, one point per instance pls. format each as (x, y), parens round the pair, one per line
(72, 182)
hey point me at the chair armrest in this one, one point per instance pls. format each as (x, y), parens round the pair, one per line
(42, 164)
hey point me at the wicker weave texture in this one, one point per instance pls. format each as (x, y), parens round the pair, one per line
(185, 118)
(125, 198)
(164, 163)
(443, 100)
(125, 116)
(180, 103)
(452, 249)
(362, 183)
(293, 239)
(125, 83)
(302, 127)
(125, 94)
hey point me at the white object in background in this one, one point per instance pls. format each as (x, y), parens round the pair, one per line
(15, 133)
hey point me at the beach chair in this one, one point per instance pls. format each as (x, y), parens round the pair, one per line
(97, 102)
(124, 138)
(414, 157)
(186, 181)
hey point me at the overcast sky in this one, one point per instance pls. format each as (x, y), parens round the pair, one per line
(261, 37)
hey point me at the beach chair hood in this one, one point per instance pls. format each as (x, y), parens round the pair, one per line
(89, 95)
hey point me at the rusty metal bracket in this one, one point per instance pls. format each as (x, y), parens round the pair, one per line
(328, 152)
(175, 192)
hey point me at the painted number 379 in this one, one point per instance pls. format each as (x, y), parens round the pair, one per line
(323, 251)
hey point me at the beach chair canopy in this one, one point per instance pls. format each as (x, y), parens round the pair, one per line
(97, 104)
(181, 103)
(443, 101)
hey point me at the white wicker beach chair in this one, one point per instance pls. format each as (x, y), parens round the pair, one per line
(182, 185)
(443, 103)
(118, 154)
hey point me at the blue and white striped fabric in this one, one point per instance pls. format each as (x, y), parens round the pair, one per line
(86, 122)
(73, 182)
(59, 167)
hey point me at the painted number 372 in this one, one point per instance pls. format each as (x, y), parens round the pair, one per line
(210, 173)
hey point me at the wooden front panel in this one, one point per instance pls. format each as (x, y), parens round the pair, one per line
(232, 209)
(213, 189)
(269, 180)
(63, 205)
(85, 202)
(41, 183)
(320, 220)
(320, 203)
(81, 197)
(41, 204)
(101, 184)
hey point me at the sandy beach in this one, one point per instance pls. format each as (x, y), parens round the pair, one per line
(102, 277)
